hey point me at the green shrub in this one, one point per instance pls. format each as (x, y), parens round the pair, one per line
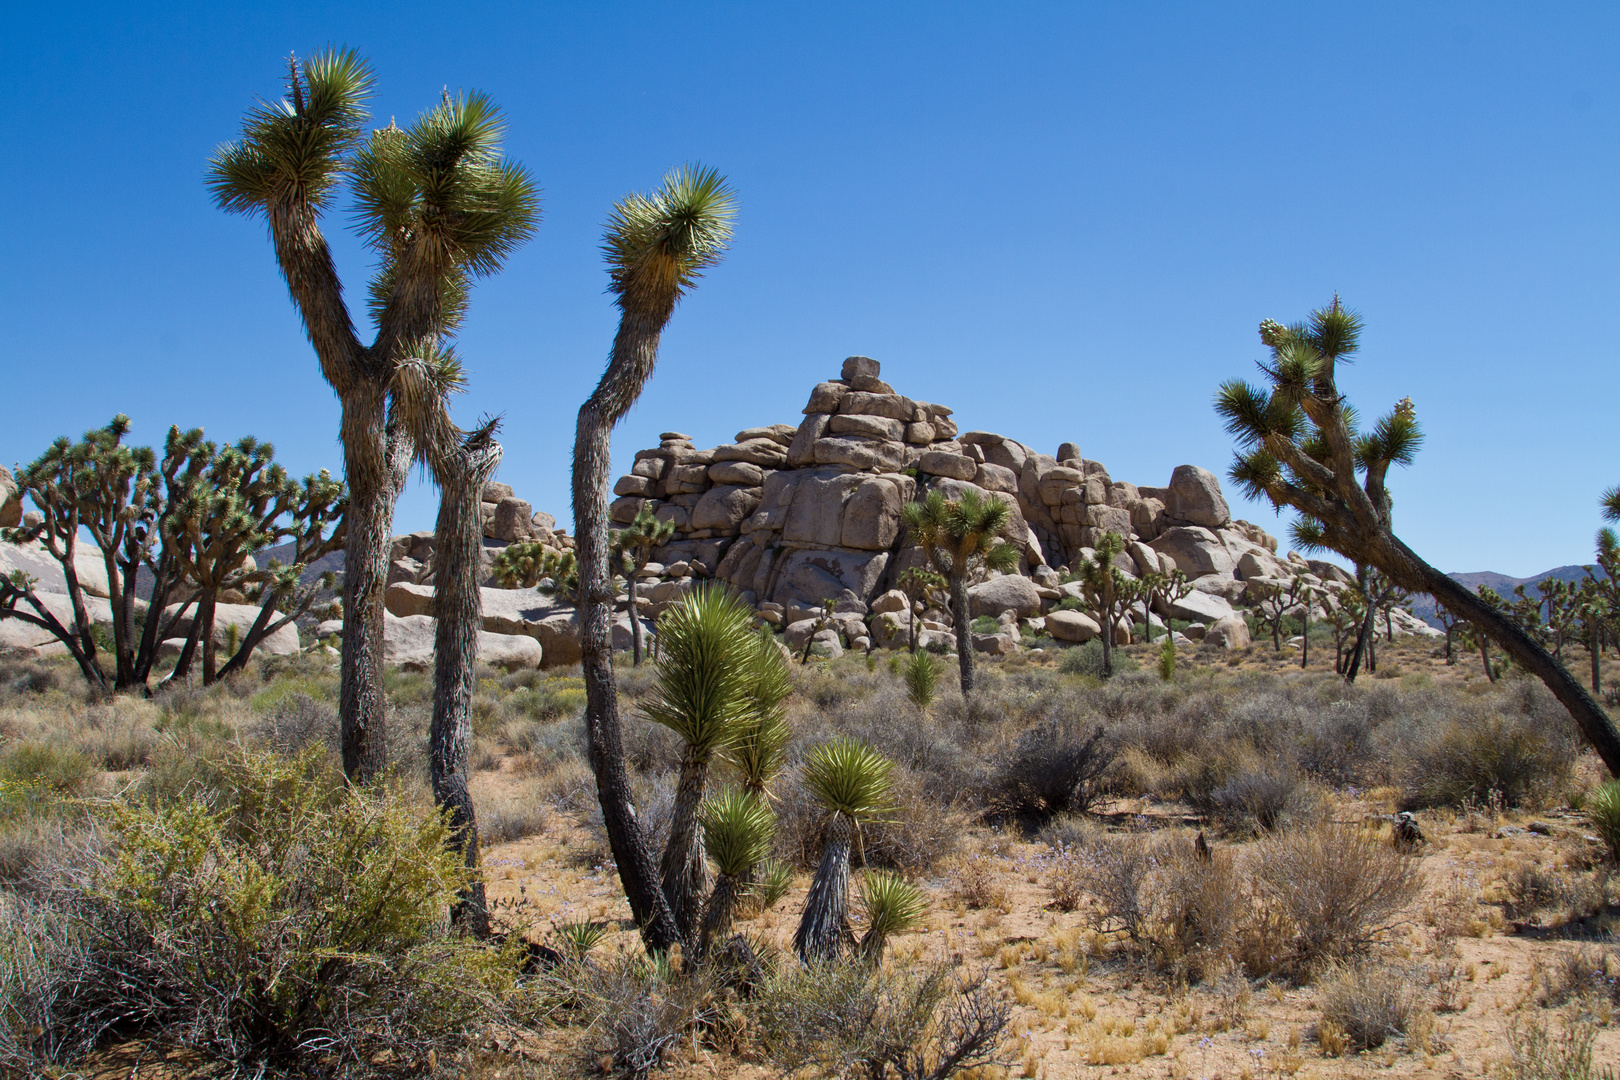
(1087, 660)
(52, 769)
(1603, 813)
(1167, 658)
(1520, 759)
(287, 919)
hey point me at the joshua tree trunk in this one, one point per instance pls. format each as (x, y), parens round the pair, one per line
(717, 918)
(824, 928)
(377, 454)
(1485, 656)
(635, 351)
(201, 625)
(457, 556)
(1147, 617)
(964, 628)
(1305, 633)
(1107, 614)
(1597, 656)
(1405, 566)
(635, 620)
(685, 873)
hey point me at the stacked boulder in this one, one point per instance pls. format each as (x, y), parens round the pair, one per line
(793, 516)
(522, 628)
(507, 520)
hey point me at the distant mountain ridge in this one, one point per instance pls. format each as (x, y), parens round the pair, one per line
(1423, 606)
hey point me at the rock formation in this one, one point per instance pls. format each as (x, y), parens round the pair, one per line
(792, 516)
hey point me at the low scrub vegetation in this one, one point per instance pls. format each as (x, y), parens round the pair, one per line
(192, 874)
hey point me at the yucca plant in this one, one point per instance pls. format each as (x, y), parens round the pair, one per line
(579, 937)
(852, 782)
(1603, 814)
(760, 747)
(737, 832)
(921, 677)
(657, 247)
(701, 694)
(892, 905)
(773, 879)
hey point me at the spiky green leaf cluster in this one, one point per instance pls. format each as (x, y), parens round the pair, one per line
(704, 676)
(758, 748)
(737, 831)
(297, 150)
(1299, 439)
(657, 245)
(847, 776)
(920, 674)
(961, 534)
(892, 905)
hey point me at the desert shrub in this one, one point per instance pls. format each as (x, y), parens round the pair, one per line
(1539, 1054)
(1197, 904)
(286, 919)
(1336, 887)
(854, 1019)
(639, 1011)
(1602, 812)
(297, 722)
(1061, 764)
(1588, 974)
(1520, 758)
(1117, 872)
(1087, 660)
(1066, 876)
(1531, 888)
(975, 881)
(47, 767)
(1265, 797)
(1366, 1004)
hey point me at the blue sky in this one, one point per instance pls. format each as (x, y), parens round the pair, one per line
(1063, 221)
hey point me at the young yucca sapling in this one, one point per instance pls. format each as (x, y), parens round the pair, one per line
(852, 781)
(921, 677)
(892, 905)
(1167, 657)
(706, 671)
(737, 831)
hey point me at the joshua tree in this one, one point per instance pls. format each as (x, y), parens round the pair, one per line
(1156, 585)
(916, 582)
(1277, 601)
(737, 831)
(851, 781)
(1448, 622)
(190, 520)
(1300, 447)
(960, 537)
(657, 247)
(823, 621)
(1308, 594)
(706, 656)
(441, 207)
(633, 547)
(1109, 591)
